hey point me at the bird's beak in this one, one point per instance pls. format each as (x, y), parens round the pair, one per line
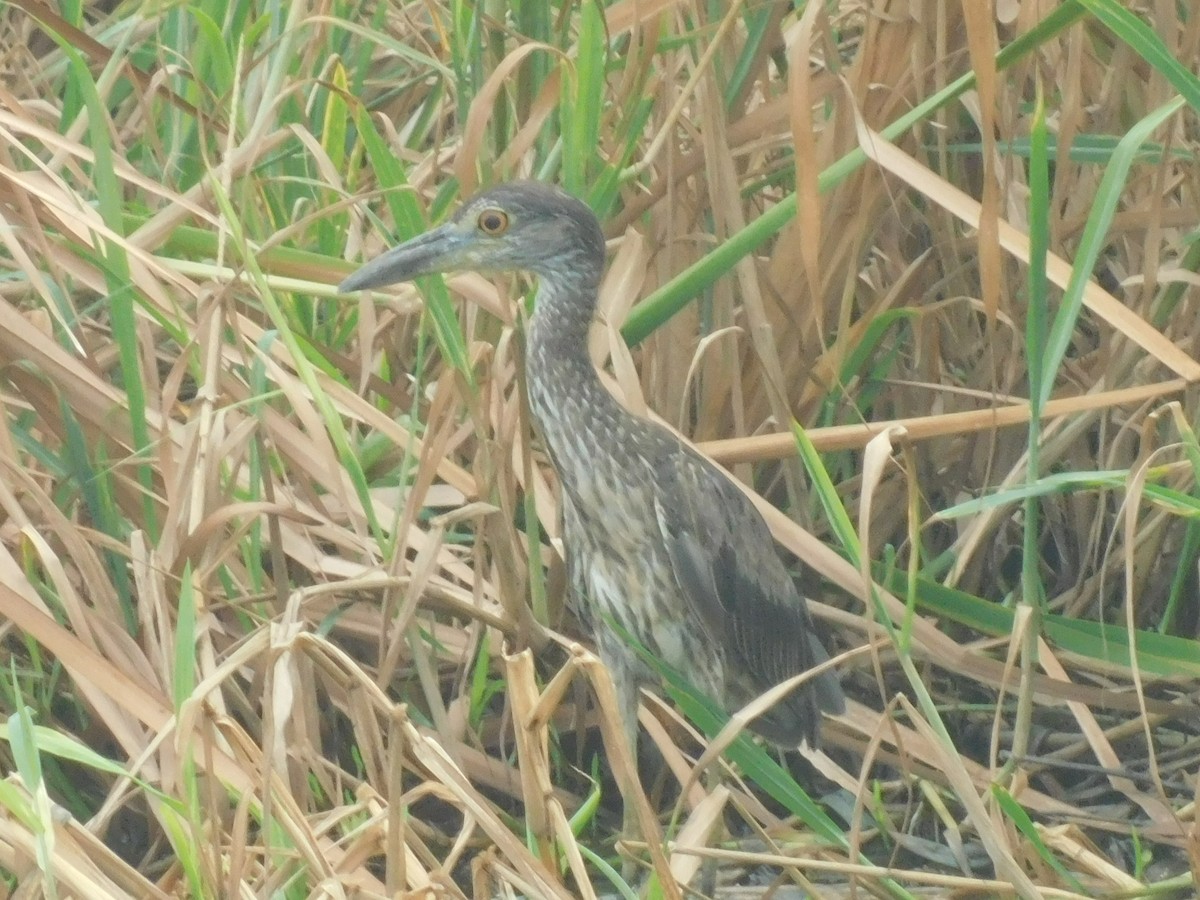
(433, 251)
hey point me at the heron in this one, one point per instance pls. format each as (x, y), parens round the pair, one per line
(661, 546)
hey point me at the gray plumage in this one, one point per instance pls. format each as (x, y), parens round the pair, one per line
(657, 537)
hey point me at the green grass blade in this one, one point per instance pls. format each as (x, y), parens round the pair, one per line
(1149, 46)
(1095, 235)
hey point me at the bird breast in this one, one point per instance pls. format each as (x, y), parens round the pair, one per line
(618, 563)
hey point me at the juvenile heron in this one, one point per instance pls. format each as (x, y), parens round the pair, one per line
(660, 543)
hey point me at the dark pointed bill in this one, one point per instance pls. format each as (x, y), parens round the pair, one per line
(433, 251)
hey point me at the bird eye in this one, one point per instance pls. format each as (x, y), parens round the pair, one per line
(493, 222)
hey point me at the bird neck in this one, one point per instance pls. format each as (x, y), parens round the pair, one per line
(563, 311)
(565, 392)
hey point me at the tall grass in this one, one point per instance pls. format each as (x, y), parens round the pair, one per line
(271, 558)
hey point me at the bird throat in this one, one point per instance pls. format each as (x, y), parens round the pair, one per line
(566, 396)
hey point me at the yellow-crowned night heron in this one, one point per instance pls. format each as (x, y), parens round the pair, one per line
(659, 541)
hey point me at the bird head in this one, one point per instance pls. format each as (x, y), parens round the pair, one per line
(519, 226)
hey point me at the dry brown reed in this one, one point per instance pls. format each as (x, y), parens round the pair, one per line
(271, 562)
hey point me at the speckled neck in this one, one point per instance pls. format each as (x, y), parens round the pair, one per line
(565, 393)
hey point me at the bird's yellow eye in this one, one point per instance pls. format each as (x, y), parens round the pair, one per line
(493, 222)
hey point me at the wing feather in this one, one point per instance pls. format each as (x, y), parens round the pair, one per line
(725, 560)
